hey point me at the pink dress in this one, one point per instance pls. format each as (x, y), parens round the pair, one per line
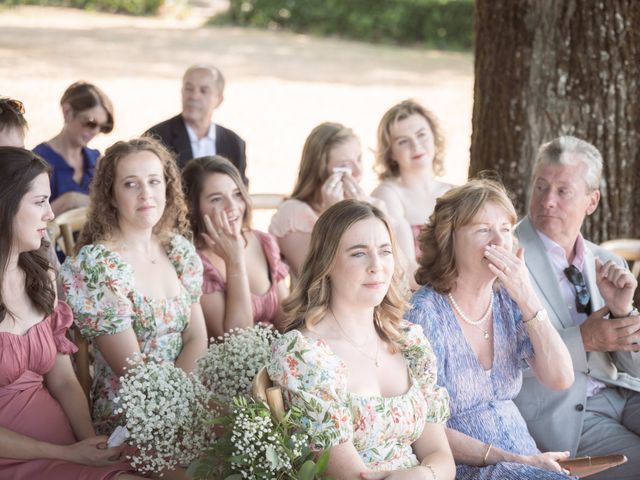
(264, 306)
(26, 407)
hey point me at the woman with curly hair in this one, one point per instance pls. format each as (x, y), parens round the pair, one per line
(409, 158)
(364, 379)
(135, 282)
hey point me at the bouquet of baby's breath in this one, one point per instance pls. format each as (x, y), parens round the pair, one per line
(256, 445)
(167, 415)
(233, 360)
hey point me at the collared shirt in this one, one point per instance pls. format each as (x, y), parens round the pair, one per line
(205, 146)
(559, 263)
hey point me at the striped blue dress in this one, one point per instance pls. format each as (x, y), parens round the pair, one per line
(481, 401)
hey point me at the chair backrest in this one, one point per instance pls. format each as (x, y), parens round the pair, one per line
(70, 223)
(266, 201)
(627, 248)
(262, 389)
(83, 362)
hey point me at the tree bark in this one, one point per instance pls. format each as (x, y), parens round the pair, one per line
(546, 68)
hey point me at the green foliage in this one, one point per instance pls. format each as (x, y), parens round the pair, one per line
(272, 448)
(132, 7)
(435, 23)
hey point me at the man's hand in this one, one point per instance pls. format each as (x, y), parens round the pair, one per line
(617, 286)
(600, 334)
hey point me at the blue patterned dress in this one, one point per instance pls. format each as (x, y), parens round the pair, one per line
(481, 401)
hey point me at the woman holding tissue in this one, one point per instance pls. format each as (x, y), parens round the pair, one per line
(330, 171)
(45, 425)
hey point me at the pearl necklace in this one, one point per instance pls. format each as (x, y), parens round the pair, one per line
(343, 334)
(474, 323)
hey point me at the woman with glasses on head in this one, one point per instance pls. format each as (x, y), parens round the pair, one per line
(86, 111)
(478, 309)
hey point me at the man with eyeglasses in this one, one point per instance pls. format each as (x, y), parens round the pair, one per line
(13, 126)
(588, 293)
(192, 133)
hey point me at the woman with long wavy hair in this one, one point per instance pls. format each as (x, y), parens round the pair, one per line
(364, 379)
(135, 282)
(45, 425)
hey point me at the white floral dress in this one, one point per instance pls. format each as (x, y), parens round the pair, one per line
(382, 429)
(100, 289)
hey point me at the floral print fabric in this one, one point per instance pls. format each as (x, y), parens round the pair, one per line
(100, 290)
(382, 429)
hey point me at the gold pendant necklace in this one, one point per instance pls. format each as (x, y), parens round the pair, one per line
(343, 334)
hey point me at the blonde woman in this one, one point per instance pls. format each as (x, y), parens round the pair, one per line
(409, 160)
(364, 379)
(135, 282)
(330, 171)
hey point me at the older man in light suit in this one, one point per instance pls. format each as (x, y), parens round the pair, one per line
(588, 293)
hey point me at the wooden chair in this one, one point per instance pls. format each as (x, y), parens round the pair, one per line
(627, 248)
(266, 201)
(70, 223)
(262, 389)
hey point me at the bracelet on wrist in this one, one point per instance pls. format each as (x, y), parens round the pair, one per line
(486, 454)
(430, 468)
(540, 316)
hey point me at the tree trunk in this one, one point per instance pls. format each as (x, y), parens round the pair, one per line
(546, 68)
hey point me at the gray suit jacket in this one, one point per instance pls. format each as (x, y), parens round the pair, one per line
(555, 418)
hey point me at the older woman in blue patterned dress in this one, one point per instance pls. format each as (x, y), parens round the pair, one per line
(479, 311)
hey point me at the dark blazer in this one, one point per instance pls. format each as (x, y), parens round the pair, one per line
(173, 133)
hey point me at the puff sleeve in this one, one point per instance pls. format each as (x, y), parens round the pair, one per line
(314, 380)
(61, 320)
(188, 266)
(97, 286)
(292, 216)
(422, 362)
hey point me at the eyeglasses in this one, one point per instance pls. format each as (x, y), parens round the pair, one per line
(9, 103)
(91, 124)
(583, 299)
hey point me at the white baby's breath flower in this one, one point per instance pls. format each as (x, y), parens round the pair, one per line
(234, 359)
(166, 413)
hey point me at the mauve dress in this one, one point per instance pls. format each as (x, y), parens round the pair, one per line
(26, 407)
(482, 401)
(265, 307)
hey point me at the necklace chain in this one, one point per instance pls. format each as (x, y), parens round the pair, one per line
(343, 334)
(480, 323)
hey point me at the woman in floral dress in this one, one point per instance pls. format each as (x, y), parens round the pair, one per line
(135, 282)
(364, 379)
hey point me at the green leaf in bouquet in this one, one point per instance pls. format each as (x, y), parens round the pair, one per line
(235, 476)
(307, 471)
(323, 461)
